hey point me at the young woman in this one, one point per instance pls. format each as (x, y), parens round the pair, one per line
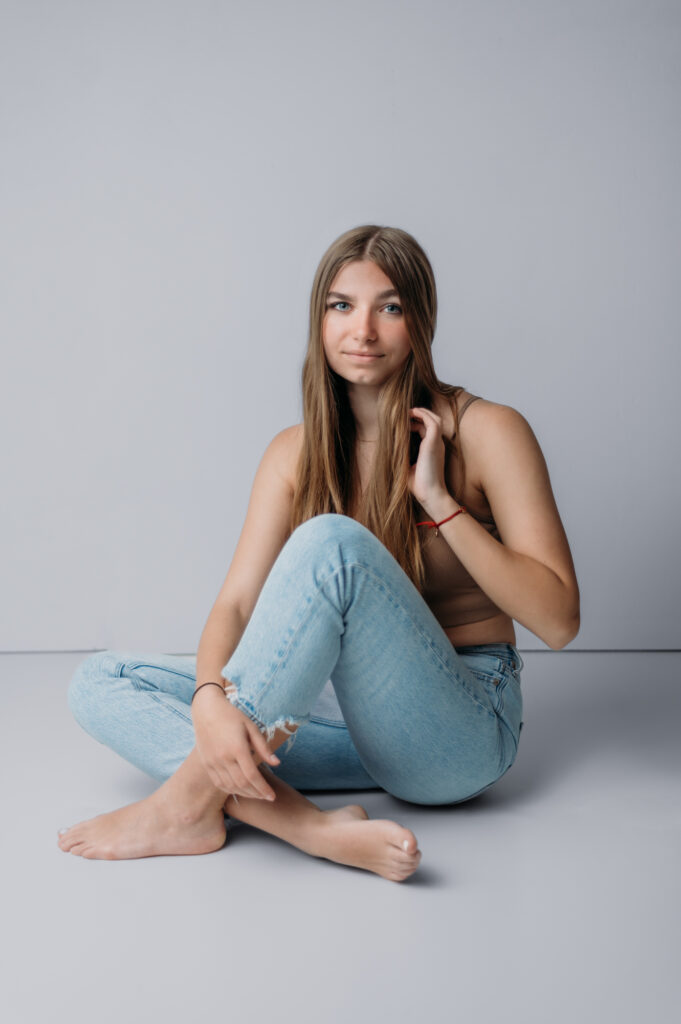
(367, 616)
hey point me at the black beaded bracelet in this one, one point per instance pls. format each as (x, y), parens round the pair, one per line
(201, 687)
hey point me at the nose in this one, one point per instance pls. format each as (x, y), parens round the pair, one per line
(363, 325)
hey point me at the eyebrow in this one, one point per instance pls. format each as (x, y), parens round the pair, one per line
(381, 295)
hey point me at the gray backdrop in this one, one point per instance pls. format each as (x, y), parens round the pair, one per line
(172, 173)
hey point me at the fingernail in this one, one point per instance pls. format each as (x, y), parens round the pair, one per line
(405, 844)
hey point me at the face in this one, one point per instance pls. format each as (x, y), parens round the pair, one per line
(363, 315)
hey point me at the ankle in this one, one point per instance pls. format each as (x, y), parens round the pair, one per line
(187, 807)
(316, 835)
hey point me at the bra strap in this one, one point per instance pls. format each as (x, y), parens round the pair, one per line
(465, 405)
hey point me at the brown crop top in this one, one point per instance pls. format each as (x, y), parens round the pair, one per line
(450, 591)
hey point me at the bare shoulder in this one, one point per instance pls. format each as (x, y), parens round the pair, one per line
(290, 443)
(479, 412)
(478, 418)
(487, 433)
(485, 422)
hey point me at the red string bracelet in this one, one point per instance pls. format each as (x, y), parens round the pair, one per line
(430, 522)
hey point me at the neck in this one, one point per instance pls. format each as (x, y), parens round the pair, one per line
(364, 404)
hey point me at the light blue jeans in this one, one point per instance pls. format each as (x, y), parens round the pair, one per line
(341, 644)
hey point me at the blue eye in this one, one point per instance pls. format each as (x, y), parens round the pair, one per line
(334, 305)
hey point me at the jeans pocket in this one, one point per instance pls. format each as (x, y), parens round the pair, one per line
(482, 661)
(489, 670)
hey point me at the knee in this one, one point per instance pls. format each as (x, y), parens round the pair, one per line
(329, 528)
(88, 683)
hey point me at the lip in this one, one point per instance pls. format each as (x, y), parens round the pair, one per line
(362, 357)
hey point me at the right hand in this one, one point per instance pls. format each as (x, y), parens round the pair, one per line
(231, 746)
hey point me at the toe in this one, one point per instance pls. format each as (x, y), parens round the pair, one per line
(406, 863)
(63, 835)
(70, 841)
(410, 844)
(405, 859)
(407, 842)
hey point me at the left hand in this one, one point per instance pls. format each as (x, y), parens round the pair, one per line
(231, 747)
(427, 475)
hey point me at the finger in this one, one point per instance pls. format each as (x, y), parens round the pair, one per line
(224, 782)
(260, 746)
(243, 786)
(431, 418)
(259, 783)
(254, 776)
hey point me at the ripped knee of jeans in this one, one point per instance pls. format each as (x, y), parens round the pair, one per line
(288, 725)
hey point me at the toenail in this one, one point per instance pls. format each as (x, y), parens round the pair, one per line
(62, 831)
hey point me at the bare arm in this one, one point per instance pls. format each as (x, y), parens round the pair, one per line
(263, 535)
(530, 576)
(219, 639)
(228, 742)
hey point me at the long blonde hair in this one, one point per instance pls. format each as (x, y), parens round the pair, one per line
(327, 479)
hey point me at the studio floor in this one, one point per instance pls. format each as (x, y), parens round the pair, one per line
(553, 897)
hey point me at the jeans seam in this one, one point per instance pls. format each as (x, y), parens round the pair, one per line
(159, 700)
(513, 739)
(291, 640)
(284, 650)
(374, 577)
(505, 680)
(132, 665)
(150, 692)
(333, 722)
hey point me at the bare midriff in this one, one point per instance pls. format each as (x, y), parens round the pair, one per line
(496, 630)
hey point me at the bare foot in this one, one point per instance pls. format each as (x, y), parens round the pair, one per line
(148, 828)
(350, 837)
(351, 812)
